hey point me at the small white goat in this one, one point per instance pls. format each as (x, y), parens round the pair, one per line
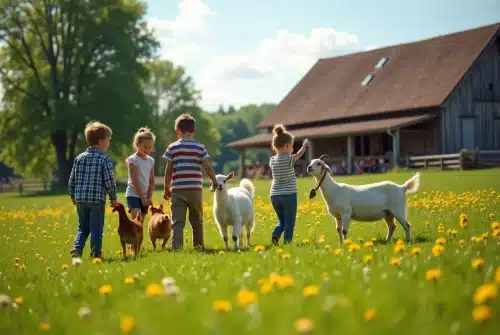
(365, 203)
(234, 207)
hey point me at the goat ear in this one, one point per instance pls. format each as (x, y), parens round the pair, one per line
(323, 157)
(230, 175)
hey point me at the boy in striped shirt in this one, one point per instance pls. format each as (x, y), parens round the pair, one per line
(184, 181)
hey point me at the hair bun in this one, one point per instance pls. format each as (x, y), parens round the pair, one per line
(279, 129)
(143, 130)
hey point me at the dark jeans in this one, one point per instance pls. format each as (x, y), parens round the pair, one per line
(136, 203)
(285, 207)
(90, 222)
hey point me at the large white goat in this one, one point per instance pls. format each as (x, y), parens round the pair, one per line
(366, 203)
(234, 207)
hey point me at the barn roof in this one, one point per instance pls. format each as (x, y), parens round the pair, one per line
(415, 75)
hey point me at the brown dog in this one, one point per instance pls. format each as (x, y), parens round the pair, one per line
(160, 226)
(130, 231)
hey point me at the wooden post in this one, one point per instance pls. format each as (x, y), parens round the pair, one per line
(350, 151)
(310, 152)
(395, 149)
(242, 163)
(441, 163)
(462, 159)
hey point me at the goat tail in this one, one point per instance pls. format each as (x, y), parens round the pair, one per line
(412, 184)
(248, 185)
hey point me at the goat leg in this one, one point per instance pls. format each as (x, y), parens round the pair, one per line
(124, 247)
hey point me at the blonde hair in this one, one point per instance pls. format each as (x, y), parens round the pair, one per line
(281, 137)
(143, 134)
(96, 131)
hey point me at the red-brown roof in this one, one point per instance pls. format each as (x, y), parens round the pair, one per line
(351, 128)
(417, 75)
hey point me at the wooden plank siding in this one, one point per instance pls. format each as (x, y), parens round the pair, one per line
(423, 139)
(477, 96)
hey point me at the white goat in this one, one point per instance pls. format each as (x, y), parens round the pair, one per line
(365, 203)
(234, 207)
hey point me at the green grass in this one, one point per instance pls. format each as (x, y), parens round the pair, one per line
(32, 228)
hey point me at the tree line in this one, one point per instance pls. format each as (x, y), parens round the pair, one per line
(66, 62)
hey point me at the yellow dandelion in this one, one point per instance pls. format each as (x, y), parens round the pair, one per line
(433, 274)
(368, 244)
(324, 275)
(440, 241)
(478, 263)
(246, 297)
(285, 255)
(221, 252)
(266, 287)
(461, 243)
(354, 247)
(395, 261)
(484, 293)
(415, 251)
(154, 290)
(221, 306)
(129, 280)
(284, 281)
(311, 290)
(127, 324)
(370, 314)
(105, 289)
(337, 252)
(304, 325)
(399, 248)
(347, 241)
(19, 300)
(368, 258)
(496, 233)
(437, 250)
(482, 313)
(321, 239)
(495, 225)
(305, 241)
(96, 260)
(497, 275)
(45, 326)
(259, 248)
(64, 267)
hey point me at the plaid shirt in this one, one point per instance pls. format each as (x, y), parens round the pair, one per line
(92, 177)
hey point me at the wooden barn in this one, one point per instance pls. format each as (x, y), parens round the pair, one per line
(430, 97)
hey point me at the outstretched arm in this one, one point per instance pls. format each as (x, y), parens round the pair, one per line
(302, 150)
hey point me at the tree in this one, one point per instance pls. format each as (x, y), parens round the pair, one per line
(170, 89)
(221, 110)
(64, 63)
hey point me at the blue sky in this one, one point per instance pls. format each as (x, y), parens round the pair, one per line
(241, 51)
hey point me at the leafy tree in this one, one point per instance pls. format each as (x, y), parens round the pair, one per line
(62, 64)
(170, 89)
(221, 110)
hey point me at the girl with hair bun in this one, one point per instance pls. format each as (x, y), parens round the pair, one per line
(284, 184)
(141, 177)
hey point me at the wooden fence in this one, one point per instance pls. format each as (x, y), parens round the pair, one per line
(25, 186)
(463, 160)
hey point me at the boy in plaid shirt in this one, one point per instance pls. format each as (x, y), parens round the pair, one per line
(91, 178)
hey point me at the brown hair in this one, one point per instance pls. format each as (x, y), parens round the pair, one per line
(143, 134)
(96, 131)
(281, 137)
(185, 123)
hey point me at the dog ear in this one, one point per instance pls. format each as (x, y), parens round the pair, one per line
(323, 157)
(230, 175)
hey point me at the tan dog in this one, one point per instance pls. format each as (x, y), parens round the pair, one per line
(130, 231)
(160, 226)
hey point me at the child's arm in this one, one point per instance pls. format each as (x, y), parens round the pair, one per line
(152, 183)
(71, 184)
(169, 170)
(302, 150)
(208, 167)
(109, 181)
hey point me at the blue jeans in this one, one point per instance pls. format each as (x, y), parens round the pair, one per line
(90, 222)
(136, 203)
(285, 207)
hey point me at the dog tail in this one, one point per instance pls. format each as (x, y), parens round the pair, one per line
(248, 185)
(412, 184)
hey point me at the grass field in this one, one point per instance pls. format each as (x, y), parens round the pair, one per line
(445, 282)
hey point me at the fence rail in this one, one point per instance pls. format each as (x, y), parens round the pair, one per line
(25, 186)
(463, 160)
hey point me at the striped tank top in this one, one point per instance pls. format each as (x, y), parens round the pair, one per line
(186, 156)
(284, 181)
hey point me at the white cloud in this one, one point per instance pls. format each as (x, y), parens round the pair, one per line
(371, 47)
(284, 58)
(179, 36)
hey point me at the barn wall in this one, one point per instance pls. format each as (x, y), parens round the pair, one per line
(476, 97)
(423, 139)
(333, 146)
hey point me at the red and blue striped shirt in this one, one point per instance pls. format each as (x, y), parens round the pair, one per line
(186, 156)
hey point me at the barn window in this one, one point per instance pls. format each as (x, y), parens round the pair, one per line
(381, 62)
(367, 79)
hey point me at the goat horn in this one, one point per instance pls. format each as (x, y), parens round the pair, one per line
(323, 157)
